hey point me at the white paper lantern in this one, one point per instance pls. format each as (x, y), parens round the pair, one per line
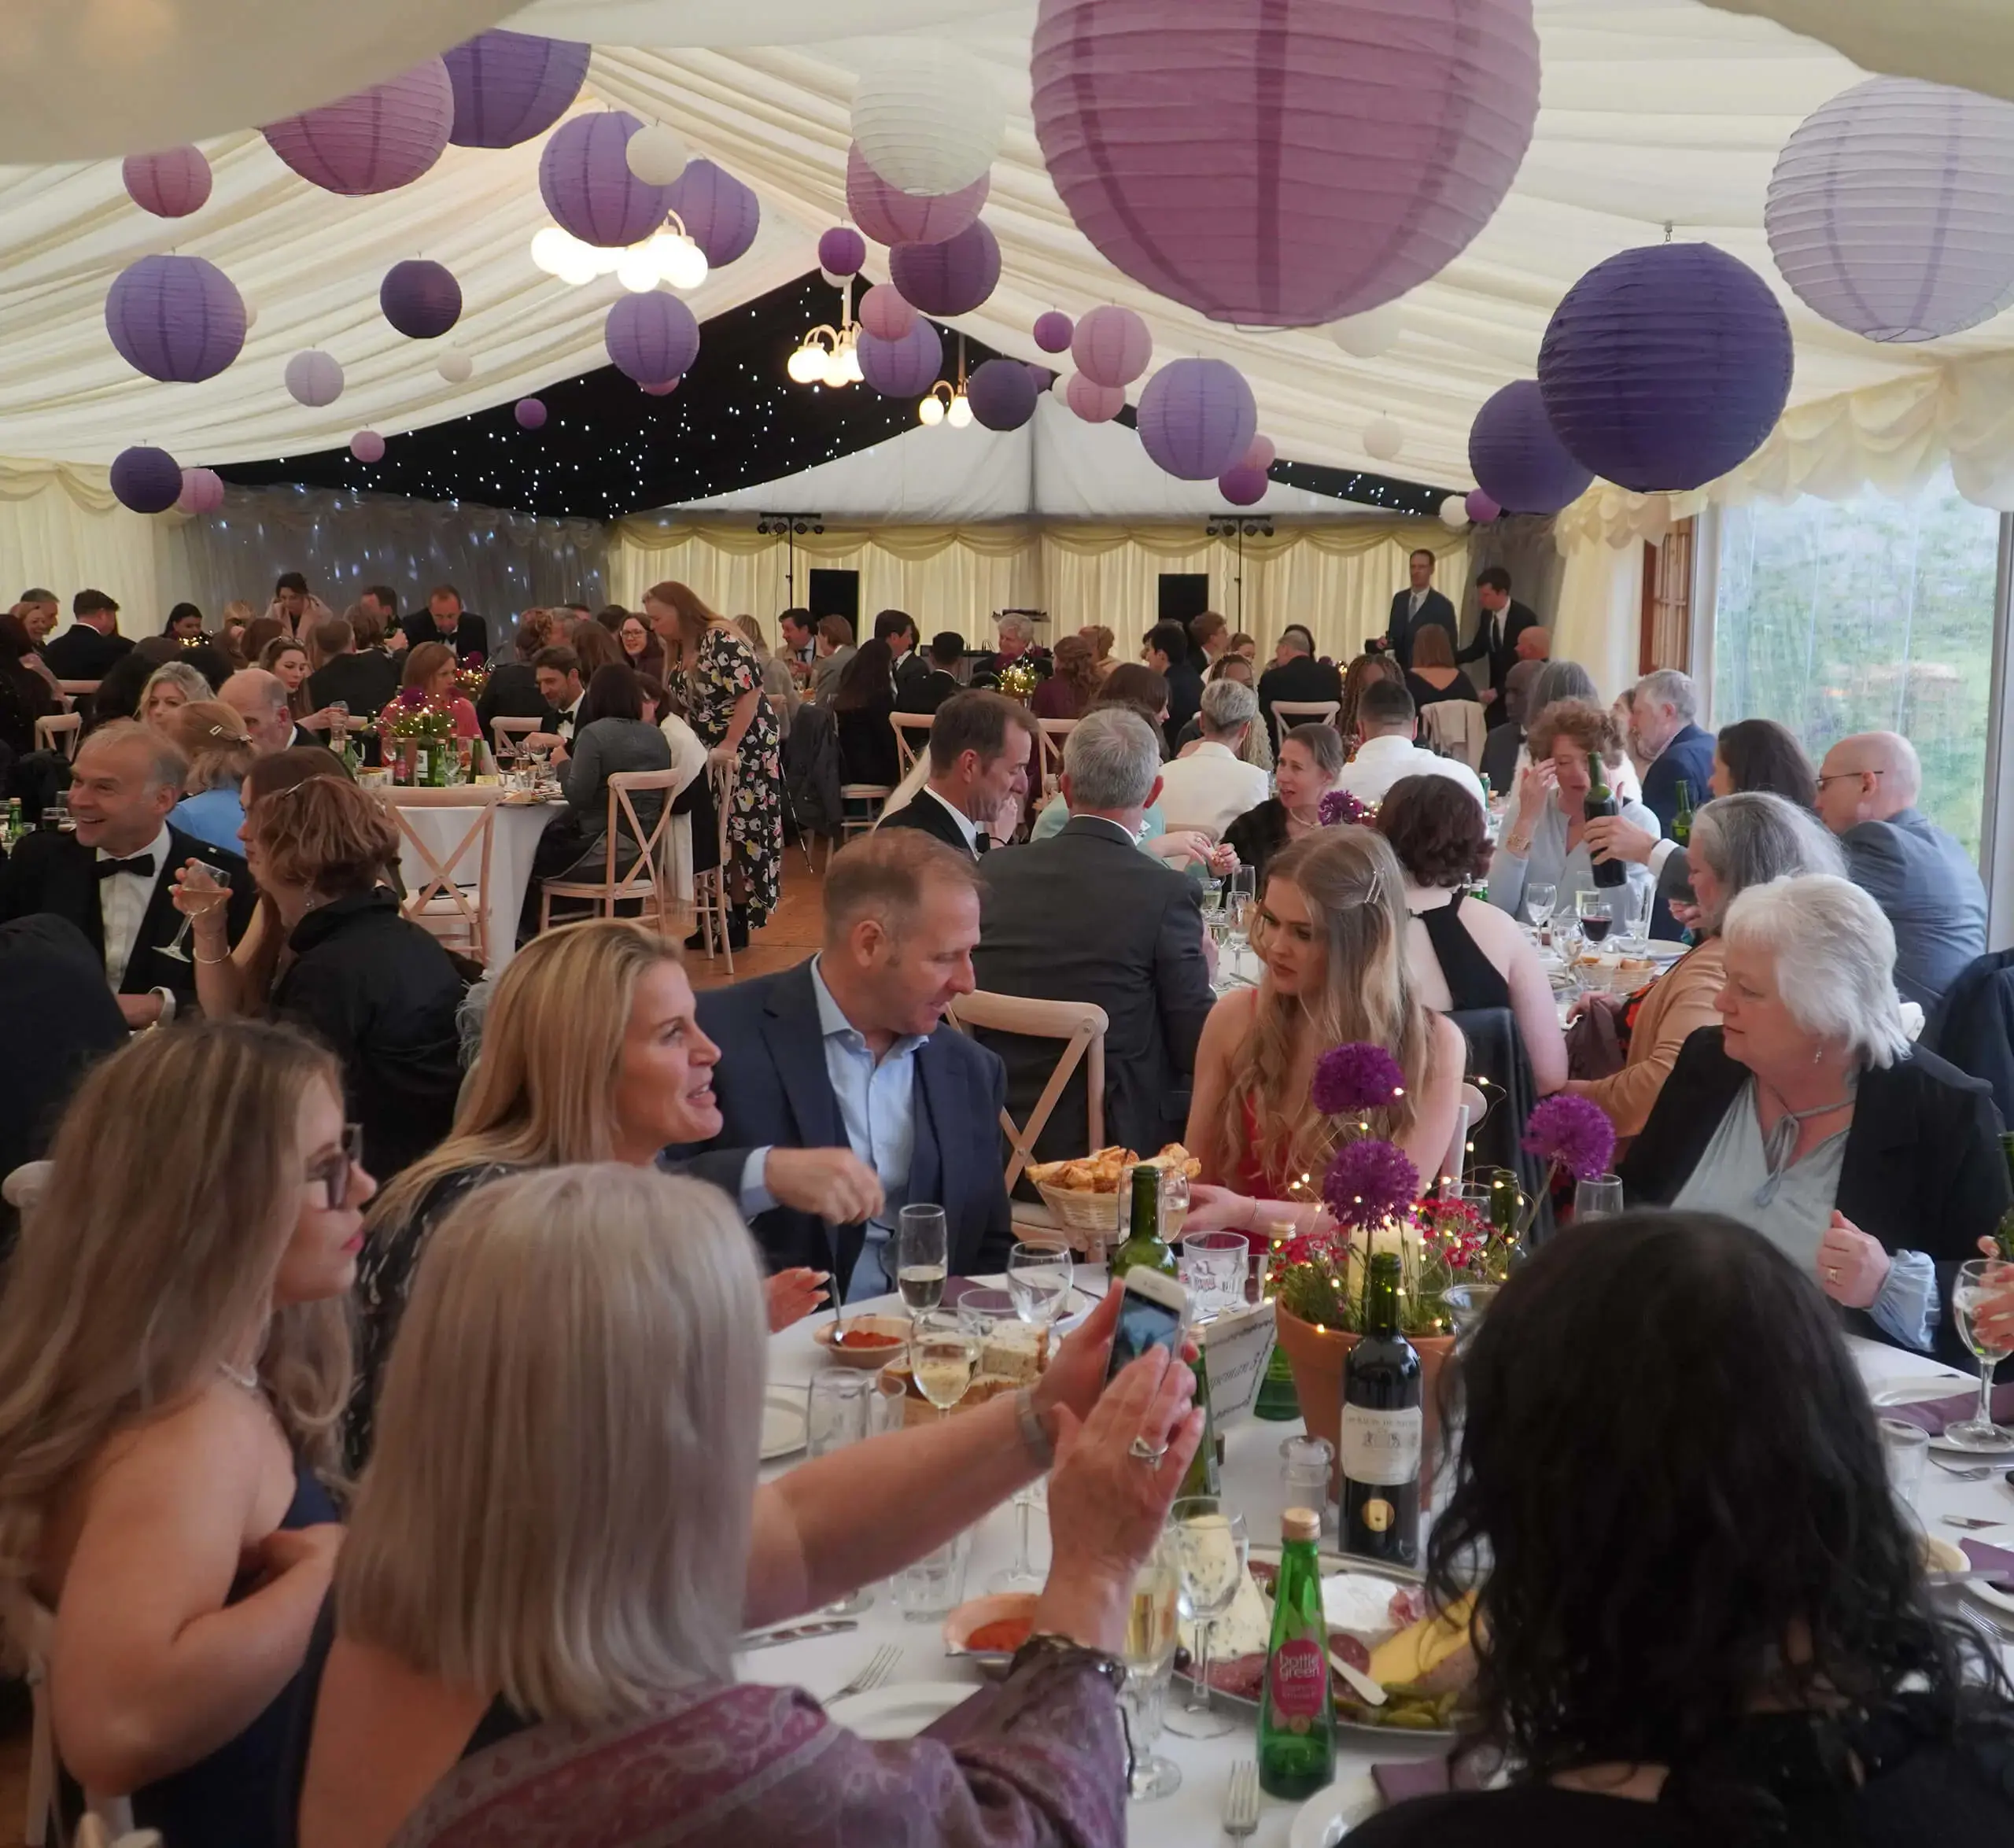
(455, 367)
(1366, 336)
(656, 155)
(1454, 512)
(928, 116)
(1383, 439)
(314, 379)
(1891, 210)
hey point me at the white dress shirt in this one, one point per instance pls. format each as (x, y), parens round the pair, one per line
(1379, 762)
(967, 826)
(1210, 788)
(122, 904)
(565, 728)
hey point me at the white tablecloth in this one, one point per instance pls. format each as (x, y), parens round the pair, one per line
(1193, 1817)
(516, 839)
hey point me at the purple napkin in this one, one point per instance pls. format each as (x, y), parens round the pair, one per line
(1986, 1559)
(1934, 1415)
(1410, 1777)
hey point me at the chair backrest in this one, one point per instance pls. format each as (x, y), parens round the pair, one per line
(624, 787)
(912, 736)
(1455, 728)
(500, 729)
(79, 689)
(59, 731)
(1055, 735)
(1301, 712)
(437, 881)
(722, 777)
(1079, 1024)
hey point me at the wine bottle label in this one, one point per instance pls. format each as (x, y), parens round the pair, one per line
(1299, 1683)
(1381, 1448)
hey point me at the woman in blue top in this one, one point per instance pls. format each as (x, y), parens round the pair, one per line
(211, 737)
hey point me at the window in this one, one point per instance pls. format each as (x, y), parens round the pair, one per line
(1871, 614)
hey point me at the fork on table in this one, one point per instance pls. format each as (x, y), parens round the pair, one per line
(880, 1666)
(1241, 1804)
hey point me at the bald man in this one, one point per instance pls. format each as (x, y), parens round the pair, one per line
(1919, 875)
(258, 698)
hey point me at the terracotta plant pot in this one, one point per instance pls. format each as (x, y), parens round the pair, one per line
(1317, 1356)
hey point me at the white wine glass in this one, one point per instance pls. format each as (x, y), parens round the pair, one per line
(1981, 1283)
(1210, 1547)
(1539, 901)
(196, 881)
(921, 1265)
(944, 1356)
(1151, 1626)
(1039, 1282)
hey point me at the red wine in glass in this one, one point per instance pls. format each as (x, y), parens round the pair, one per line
(1596, 926)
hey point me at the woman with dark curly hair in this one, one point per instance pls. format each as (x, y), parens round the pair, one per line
(1758, 755)
(1704, 1622)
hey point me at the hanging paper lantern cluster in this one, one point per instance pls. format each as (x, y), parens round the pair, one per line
(530, 413)
(1283, 162)
(1198, 417)
(842, 251)
(720, 214)
(656, 155)
(1002, 394)
(585, 181)
(892, 216)
(374, 141)
(367, 446)
(147, 480)
(652, 338)
(509, 87)
(929, 116)
(952, 278)
(1093, 402)
(1053, 331)
(884, 313)
(1891, 210)
(314, 379)
(1516, 455)
(422, 299)
(1666, 367)
(1111, 346)
(902, 368)
(202, 491)
(170, 184)
(176, 318)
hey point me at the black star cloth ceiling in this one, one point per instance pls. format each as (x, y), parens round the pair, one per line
(608, 449)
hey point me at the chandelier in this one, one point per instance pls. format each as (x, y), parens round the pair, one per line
(943, 405)
(671, 256)
(829, 355)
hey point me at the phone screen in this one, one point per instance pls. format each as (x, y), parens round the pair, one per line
(1143, 1323)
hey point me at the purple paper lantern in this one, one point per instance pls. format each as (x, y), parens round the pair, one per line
(1053, 331)
(202, 491)
(176, 318)
(170, 184)
(1480, 508)
(1111, 346)
(952, 278)
(530, 414)
(904, 368)
(1093, 402)
(1516, 456)
(1283, 162)
(1042, 376)
(1001, 394)
(885, 314)
(367, 446)
(588, 187)
(652, 338)
(421, 299)
(1243, 486)
(376, 140)
(842, 251)
(892, 216)
(1198, 417)
(1666, 367)
(720, 214)
(509, 87)
(149, 481)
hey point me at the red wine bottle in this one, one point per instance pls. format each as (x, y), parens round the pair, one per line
(1601, 805)
(1382, 1430)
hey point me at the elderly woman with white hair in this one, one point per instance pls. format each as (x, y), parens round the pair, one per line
(1211, 785)
(1808, 1115)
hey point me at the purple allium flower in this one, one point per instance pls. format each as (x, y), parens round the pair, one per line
(1354, 1077)
(1573, 1131)
(1339, 805)
(1368, 1182)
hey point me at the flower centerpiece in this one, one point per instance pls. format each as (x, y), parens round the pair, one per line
(1573, 1136)
(417, 735)
(1018, 681)
(1340, 808)
(470, 680)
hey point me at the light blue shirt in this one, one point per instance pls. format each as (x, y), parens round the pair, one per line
(877, 1108)
(215, 816)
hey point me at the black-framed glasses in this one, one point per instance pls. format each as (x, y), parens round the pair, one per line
(334, 1171)
(1842, 776)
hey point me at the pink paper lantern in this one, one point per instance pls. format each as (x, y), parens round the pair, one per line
(720, 214)
(1053, 331)
(1283, 162)
(585, 178)
(952, 278)
(652, 338)
(663, 389)
(1093, 402)
(1260, 455)
(890, 216)
(904, 368)
(885, 314)
(530, 414)
(202, 491)
(1111, 346)
(374, 141)
(170, 184)
(366, 445)
(1198, 417)
(1243, 486)
(842, 251)
(1480, 508)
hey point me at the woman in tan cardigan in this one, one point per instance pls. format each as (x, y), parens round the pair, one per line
(1737, 842)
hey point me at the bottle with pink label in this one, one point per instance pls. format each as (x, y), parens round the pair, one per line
(1297, 1718)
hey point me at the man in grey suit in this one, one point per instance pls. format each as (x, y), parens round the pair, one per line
(1414, 608)
(1918, 874)
(1086, 916)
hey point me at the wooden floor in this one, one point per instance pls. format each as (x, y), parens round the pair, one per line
(790, 936)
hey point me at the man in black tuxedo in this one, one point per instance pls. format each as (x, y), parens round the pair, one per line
(87, 651)
(1413, 609)
(1165, 649)
(980, 747)
(114, 878)
(363, 683)
(444, 620)
(898, 628)
(1497, 631)
(928, 691)
(1296, 676)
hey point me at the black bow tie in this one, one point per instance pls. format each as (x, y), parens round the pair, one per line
(142, 864)
(982, 842)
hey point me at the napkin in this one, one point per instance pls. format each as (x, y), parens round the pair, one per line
(1986, 1559)
(1410, 1777)
(1934, 1415)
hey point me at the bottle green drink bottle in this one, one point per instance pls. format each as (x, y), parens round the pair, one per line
(2004, 1236)
(1681, 815)
(1601, 803)
(1382, 1430)
(1297, 1718)
(1144, 1247)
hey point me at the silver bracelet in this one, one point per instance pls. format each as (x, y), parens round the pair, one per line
(1033, 1434)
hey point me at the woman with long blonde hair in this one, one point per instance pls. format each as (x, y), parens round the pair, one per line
(174, 1356)
(1330, 929)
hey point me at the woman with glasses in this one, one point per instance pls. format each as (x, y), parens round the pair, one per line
(174, 1354)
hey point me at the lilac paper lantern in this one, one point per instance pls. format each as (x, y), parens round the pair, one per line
(720, 214)
(367, 446)
(1516, 456)
(842, 251)
(652, 338)
(421, 299)
(530, 414)
(1053, 331)
(1243, 486)
(149, 481)
(1283, 162)
(892, 216)
(952, 278)
(885, 314)
(202, 491)
(904, 368)
(1198, 417)
(1111, 346)
(1001, 394)
(1093, 402)
(1666, 367)
(176, 318)
(314, 379)
(375, 140)
(585, 181)
(509, 87)
(1480, 507)
(170, 184)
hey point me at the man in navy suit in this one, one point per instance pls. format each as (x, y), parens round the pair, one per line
(1662, 706)
(1414, 607)
(843, 1095)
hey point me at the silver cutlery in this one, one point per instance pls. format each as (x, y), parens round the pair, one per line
(880, 1666)
(1969, 1520)
(1975, 1614)
(1963, 1472)
(1241, 1804)
(795, 1633)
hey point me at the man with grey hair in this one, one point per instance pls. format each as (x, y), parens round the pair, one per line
(114, 878)
(258, 698)
(1209, 786)
(1017, 642)
(1919, 875)
(1662, 705)
(1085, 917)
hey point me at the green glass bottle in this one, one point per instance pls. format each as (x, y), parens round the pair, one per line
(1297, 1718)
(1601, 803)
(2004, 1236)
(1382, 1429)
(1681, 815)
(1143, 1243)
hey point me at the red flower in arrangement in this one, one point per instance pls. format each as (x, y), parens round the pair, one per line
(1339, 808)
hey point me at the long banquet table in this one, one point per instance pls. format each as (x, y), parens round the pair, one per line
(1192, 1817)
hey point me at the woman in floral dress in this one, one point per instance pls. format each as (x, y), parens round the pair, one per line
(724, 704)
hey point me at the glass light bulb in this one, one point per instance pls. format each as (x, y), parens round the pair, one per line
(806, 364)
(960, 413)
(637, 272)
(549, 248)
(576, 269)
(855, 376)
(606, 261)
(930, 410)
(680, 262)
(834, 373)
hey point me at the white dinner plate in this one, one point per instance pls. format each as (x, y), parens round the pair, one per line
(901, 1711)
(783, 1422)
(1987, 1592)
(1329, 1815)
(1967, 1450)
(1917, 1390)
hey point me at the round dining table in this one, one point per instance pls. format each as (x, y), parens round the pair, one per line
(1192, 1817)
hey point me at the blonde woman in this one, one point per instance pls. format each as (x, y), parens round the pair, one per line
(211, 737)
(174, 1356)
(174, 682)
(1330, 929)
(561, 1537)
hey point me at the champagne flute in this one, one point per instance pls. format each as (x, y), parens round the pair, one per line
(1039, 1282)
(1149, 1656)
(1981, 1281)
(1210, 1547)
(944, 1356)
(921, 1265)
(200, 880)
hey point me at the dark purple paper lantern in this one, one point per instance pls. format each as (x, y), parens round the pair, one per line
(720, 214)
(885, 314)
(420, 298)
(1053, 331)
(588, 187)
(652, 338)
(176, 318)
(511, 85)
(1111, 346)
(952, 278)
(367, 446)
(376, 140)
(892, 216)
(1283, 162)
(530, 414)
(1243, 486)
(1198, 417)
(170, 184)
(1480, 507)
(1666, 367)
(1515, 453)
(842, 251)
(1042, 376)
(148, 481)
(904, 368)
(202, 491)
(1002, 394)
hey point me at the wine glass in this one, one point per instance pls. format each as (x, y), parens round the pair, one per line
(921, 1265)
(1039, 1282)
(944, 1356)
(1149, 1658)
(1539, 901)
(1211, 1547)
(1596, 912)
(196, 878)
(1594, 1199)
(1468, 1303)
(1980, 1282)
